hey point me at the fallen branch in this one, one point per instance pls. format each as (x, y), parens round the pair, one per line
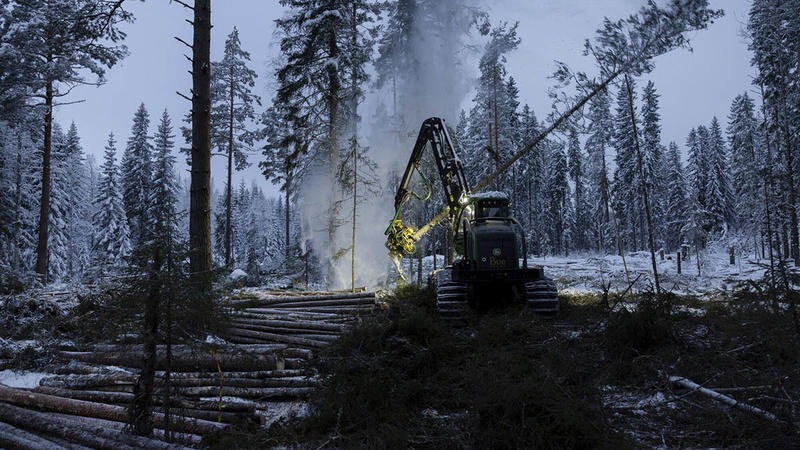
(688, 384)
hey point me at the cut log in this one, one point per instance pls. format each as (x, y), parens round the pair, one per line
(254, 374)
(73, 431)
(284, 331)
(180, 362)
(92, 409)
(13, 437)
(230, 350)
(294, 314)
(181, 348)
(244, 323)
(276, 337)
(688, 384)
(178, 438)
(298, 324)
(123, 398)
(250, 393)
(300, 298)
(88, 381)
(77, 367)
(306, 304)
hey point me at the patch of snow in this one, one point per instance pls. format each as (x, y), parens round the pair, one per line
(22, 379)
(237, 274)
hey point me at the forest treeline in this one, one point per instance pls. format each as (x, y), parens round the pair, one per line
(64, 215)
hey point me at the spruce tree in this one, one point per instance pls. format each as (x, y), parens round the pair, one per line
(626, 192)
(745, 162)
(137, 176)
(719, 198)
(78, 226)
(558, 196)
(601, 134)
(652, 153)
(111, 242)
(676, 203)
(164, 191)
(576, 168)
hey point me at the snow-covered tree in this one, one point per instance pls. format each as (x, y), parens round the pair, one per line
(626, 187)
(676, 204)
(601, 134)
(164, 191)
(232, 112)
(111, 243)
(745, 162)
(577, 174)
(137, 175)
(718, 195)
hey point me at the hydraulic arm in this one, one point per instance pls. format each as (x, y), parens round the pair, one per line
(401, 239)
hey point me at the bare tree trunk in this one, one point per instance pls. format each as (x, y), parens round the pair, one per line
(795, 246)
(644, 185)
(767, 188)
(355, 205)
(287, 214)
(42, 259)
(141, 410)
(229, 188)
(200, 203)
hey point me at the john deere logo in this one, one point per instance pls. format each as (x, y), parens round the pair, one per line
(497, 252)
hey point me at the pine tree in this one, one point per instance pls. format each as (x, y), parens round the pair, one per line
(111, 242)
(231, 111)
(62, 40)
(137, 175)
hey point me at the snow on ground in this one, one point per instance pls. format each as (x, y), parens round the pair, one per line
(587, 273)
(582, 273)
(21, 379)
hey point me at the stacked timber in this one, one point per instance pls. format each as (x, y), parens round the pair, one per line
(261, 369)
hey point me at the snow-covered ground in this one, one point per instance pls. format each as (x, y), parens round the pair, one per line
(580, 273)
(21, 379)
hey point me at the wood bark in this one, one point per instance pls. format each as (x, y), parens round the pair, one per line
(229, 187)
(181, 361)
(277, 337)
(141, 410)
(13, 437)
(200, 204)
(46, 402)
(42, 257)
(77, 432)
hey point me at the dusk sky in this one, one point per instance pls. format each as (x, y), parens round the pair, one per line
(707, 79)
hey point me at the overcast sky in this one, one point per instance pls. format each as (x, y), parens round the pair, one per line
(694, 86)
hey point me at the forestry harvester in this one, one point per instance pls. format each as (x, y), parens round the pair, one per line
(487, 241)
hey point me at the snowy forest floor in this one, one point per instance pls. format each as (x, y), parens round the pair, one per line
(598, 376)
(595, 377)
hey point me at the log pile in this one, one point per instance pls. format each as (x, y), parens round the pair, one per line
(263, 367)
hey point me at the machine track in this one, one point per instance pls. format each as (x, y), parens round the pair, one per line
(542, 297)
(451, 298)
